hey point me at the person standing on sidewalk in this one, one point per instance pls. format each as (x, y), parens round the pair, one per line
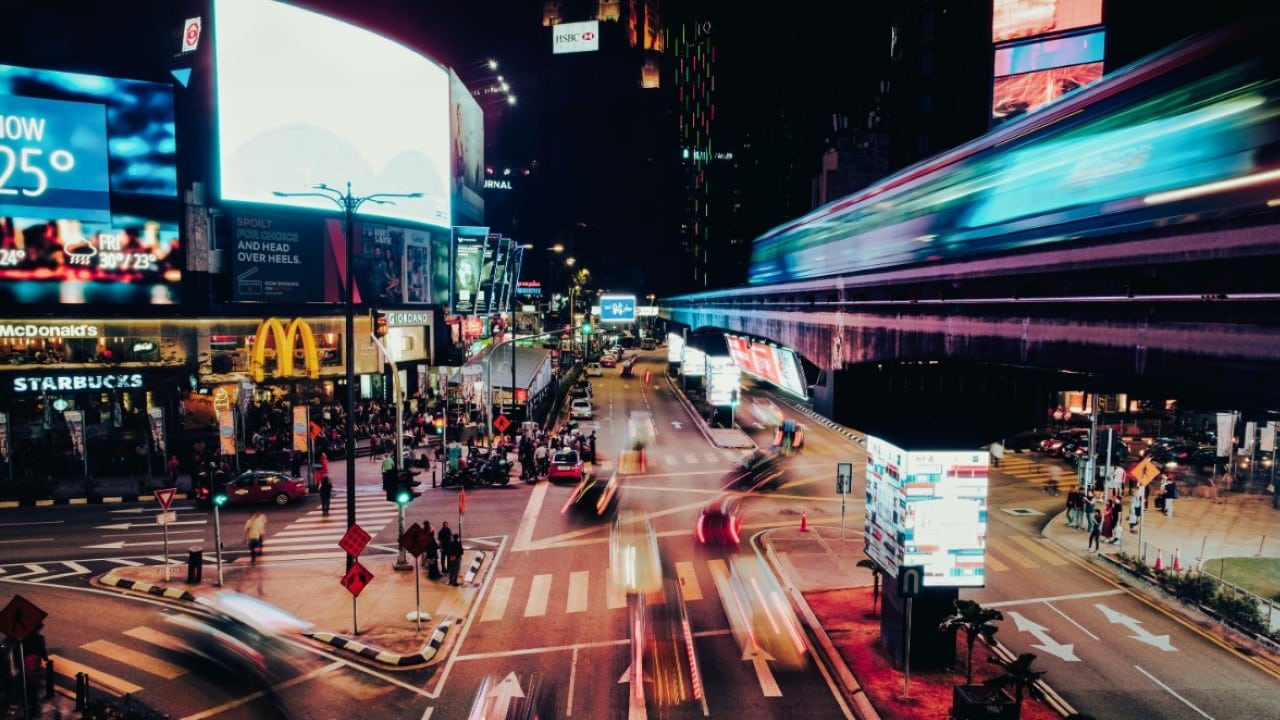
(445, 536)
(1095, 529)
(1073, 506)
(1135, 508)
(454, 554)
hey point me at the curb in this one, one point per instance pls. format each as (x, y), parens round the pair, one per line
(827, 422)
(421, 657)
(148, 588)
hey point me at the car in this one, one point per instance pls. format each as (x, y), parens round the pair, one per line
(580, 409)
(594, 370)
(566, 466)
(720, 521)
(595, 495)
(628, 368)
(649, 344)
(1201, 459)
(608, 361)
(756, 470)
(253, 487)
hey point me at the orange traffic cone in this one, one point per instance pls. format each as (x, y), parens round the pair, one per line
(1177, 561)
(1159, 561)
(804, 522)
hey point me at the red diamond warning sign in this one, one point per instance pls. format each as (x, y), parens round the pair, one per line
(354, 540)
(20, 618)
(356, 578)
(501, 423)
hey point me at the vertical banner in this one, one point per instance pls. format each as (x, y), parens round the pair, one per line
(1226, 432)
(502, 255)
(1250, 430)
(301, 422)
(155, 416)
(1267, 437)
(4, 437)
(513, 277)
(484, 303)
(75, 426)
(226, 432)
(468, 251)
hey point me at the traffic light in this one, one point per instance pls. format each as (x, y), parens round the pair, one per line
(404, 495)
(220, 499)
(585, 327)
(390, 486)
(380, 324)
(438, 422)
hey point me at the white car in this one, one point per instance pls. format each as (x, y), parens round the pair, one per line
(594, 370)
(580, 409)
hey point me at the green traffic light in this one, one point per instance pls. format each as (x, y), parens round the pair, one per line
(220, 499)
(586, 328)
(403, 497)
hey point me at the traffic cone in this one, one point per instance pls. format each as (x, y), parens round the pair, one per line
(1177, 561)
(1159, 561)
(804, 522)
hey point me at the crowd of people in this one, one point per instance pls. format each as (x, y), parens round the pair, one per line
(1103, 514)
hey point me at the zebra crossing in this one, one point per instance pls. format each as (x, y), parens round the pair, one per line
(710, 459)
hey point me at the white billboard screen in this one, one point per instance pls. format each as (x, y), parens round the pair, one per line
(928, 508)
(575, 37)
(304, 99)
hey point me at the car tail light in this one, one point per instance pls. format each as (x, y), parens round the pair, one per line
(701, 529)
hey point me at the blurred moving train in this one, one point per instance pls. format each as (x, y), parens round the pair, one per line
(1189, 134)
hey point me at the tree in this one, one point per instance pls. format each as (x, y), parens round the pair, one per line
(876, 572)
(1018, 675)
(976, 621)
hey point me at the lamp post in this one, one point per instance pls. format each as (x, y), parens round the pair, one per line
(350, 204)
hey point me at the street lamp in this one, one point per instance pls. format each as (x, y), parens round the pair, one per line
(350, 204)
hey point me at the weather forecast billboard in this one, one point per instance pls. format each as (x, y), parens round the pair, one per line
(294, 113)
(927, 508)
(89, 207)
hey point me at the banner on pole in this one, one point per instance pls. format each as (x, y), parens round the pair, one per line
(156, 418)
(301, 424)
(75, 427)
(227, 432)
(4, 437)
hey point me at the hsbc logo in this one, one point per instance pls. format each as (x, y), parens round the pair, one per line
(576, 37)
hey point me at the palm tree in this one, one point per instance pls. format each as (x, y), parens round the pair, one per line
(976, 621)
(1018, 674)
(876, 572)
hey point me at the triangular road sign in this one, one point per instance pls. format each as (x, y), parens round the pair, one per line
(165, 496)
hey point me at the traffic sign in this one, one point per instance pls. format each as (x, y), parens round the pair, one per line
(1145, 471)
(20, 618)
(166, 517)
(165, 496)
(501, 423)
(844, 478)
(356, 578)
(910, 580)
(414, 540)
(354, 540)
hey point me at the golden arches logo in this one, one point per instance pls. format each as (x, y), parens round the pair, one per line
(284, 341)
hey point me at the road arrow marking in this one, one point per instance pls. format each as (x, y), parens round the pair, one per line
(126, 526)
(1135, 626)
(760, 658)
(498, 701)
(1062, 652)
(676, 424)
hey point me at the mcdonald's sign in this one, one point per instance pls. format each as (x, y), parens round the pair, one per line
(285, 338)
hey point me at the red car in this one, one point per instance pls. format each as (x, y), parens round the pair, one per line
(720, 522)
(566, 466)
(258, 486)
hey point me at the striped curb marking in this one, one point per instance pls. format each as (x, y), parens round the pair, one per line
(833, 425)
(148, 588)
(94, 500)
(424, 655)
(474, 568)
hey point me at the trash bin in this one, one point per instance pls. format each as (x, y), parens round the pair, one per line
(195, 564)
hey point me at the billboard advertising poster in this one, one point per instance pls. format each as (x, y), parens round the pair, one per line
(1013, 19)
(791, 373)
(618, 308)
(466, 127)
(274, 257)
(468, 251)
(1016, 95)
(765, 362)
(501, 263)
(723, 379)
(1045, 54)
(89, 210)
(575, 37)
(484, 298)
(694, 363)
(927, 508)
(417, 266)
(293, 113)
(740, 351)
(379, 264)
(675, 348)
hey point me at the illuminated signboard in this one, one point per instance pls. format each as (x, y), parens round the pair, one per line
(575, 37)
(927, 508)
(675, 348)
(468, 250)
(466, 127)
(1014, 19)
(740, 351)
(293, 112)
(618, 308)
(723, 379)
(88, 190)
(694, 363)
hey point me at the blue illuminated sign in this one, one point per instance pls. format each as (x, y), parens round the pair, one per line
(618, 308)
(53, 159)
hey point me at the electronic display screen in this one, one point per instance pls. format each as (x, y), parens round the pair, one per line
(1014, 19)
(468, 251)
(305, 99)
(88, 190)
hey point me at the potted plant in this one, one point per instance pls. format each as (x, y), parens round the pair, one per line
(1019, 675)
(969, 701)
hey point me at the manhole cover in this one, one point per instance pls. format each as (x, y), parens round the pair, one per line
(1021, 511)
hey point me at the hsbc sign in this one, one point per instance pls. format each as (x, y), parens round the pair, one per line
(575, 37)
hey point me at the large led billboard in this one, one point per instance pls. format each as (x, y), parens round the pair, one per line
(89, 208)
(304, 99)
(1015, 19)
(927, 508)
(466, 128)
(777, 365)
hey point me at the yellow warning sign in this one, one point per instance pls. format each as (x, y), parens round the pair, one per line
(1145, 471)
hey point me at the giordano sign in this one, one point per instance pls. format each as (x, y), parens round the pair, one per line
(285, 339)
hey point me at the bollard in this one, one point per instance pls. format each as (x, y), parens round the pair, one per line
(82, 691)
(48, 679)
(195, 564)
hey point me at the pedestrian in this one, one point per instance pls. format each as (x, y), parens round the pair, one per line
(326, 495)
(255, 531)
(1135, 508)
(445, 536)
(1170, 494)
(171, 471)
(431, 553)
(1073, 506)
(1110, 517)
(1095, 529)
(454, 555)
